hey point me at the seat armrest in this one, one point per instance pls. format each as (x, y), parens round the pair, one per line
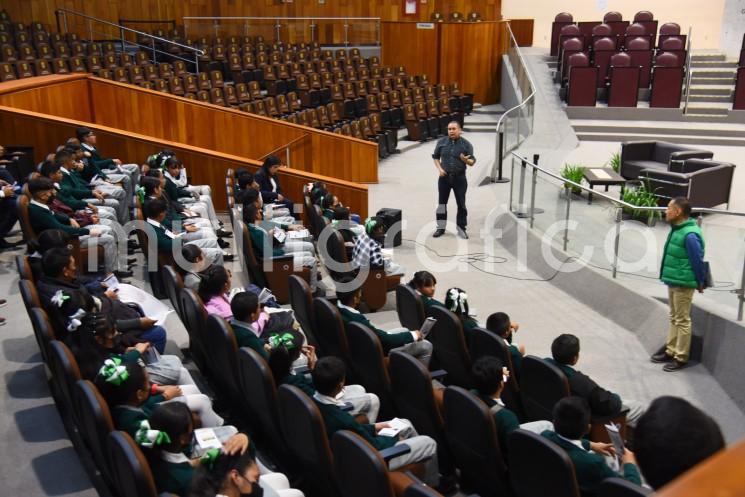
(677, 158)
(680, 179)
(440, 373)
(692, 165)
(395, 451)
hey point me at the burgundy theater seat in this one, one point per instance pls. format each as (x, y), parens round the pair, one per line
(567, 32)
(623, 80)
(675, 45)
(586, 28)
(670, 29)
(562, 19)
(641, 55)
(602, 50)
(568, 48)
(603, 31)
(637, 30)
(667, 81)
(739, 103)
(646, 19)
(581, 89)
(616, 22)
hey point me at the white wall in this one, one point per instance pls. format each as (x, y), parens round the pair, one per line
(733, 27)
(704, 16)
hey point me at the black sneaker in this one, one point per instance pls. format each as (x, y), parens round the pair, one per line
(223, 233)
(222, 243)
(462, 233)
(674, 366)
(438, 233)
(228, 257)
(123, 274)
(662, 357)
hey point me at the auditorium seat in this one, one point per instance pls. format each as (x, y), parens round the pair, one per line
(173, 284)
(603, 31)
(739, 96)
(640, 51)
(667, 30)
(131, 470)
(637, 30)
(7, 72)
(528, 451)
(95, 426)
(602, 51)
(646, 19)
(65, 373)
(450, 350)
(667, 81)
(674, 45)
(194, 318)
(222, 349)
(582, 86)
(370, 366)
(569, 47)
(618, 487)
(409, 307)
(586, 28)
(301, 422)
(623, 81)
(472, 437)
(616, 22)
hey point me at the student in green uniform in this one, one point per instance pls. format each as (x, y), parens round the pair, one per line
(409, 341)
(42, 193)
(456, 301)
(329, 379)
(228, 476)
(131, 397)
(285, 355)
(488, 381)
(425, 285)
(171, 452)
(199, 203)
(87, 139)
(246, 310)
(571, 423)
(253, 197)
(52, 171)
(155, 212)
(500, 324)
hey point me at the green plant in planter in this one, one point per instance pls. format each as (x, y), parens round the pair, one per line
(573, 172)
(615, 161)
(640, 196)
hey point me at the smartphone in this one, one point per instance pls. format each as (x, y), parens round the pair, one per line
(426, 328)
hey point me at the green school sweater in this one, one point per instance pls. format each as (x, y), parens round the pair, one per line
(387, 340)
(335, 419)
(44, 219)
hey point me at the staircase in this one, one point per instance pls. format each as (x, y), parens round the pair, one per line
(712, 85)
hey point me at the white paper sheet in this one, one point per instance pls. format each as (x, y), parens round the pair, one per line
(152, 307)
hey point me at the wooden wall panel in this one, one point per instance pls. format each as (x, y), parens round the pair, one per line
(471, 53)
(523, 31)
(113, 10)
(405, 44)
(230, 131)
(66, 98)
(45, 133)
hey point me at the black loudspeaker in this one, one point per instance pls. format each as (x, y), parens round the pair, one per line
(392, 220)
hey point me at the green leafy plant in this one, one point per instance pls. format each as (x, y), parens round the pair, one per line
(573, 172)
(640, 196)
(615, 161)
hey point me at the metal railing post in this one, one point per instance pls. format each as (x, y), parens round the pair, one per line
(90, 31)
(346, 33)
(531, 212)
(378, 31)
(121, 35)
(568, 191)
(688, 73)
(741, 293)
(521, 195)
(155, 55)
(277, 35)
(617, 240)
(216, 27)
(287, 155)
(312, 30)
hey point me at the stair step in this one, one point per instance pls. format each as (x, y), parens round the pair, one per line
(697, 109)
(710, 98)
(700, 80)
(692, 140)
(709, 57)
(668, 128)
(713, 64)
(712, 90)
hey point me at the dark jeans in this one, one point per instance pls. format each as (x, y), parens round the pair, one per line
(8, 215)
(459, 185)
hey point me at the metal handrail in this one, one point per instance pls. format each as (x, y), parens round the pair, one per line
(620, 205)
(124, 28)
(286, 147)
(595, 193)
(500, 138)
(277, 25)
(688, 71)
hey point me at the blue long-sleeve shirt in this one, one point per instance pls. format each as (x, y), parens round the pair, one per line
(696, 257)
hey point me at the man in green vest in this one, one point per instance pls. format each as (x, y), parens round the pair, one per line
(683, 270)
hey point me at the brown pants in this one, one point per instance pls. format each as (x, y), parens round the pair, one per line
(679, 334)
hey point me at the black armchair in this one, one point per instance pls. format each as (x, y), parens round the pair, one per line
(656, 155)
(706, 183)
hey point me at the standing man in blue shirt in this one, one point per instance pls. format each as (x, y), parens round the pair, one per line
(683, 270)
(452, 155)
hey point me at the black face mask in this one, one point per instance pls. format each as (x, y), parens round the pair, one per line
(380, 238)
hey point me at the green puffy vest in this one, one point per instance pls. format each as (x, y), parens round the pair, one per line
(676, 268)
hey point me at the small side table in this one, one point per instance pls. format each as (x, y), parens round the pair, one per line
(602, 176)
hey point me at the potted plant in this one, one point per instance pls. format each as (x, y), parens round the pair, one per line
(615, 161)
(641, 196)
(575, 173)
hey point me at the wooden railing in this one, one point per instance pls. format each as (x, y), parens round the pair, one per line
(117, 105)
(43, 113)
